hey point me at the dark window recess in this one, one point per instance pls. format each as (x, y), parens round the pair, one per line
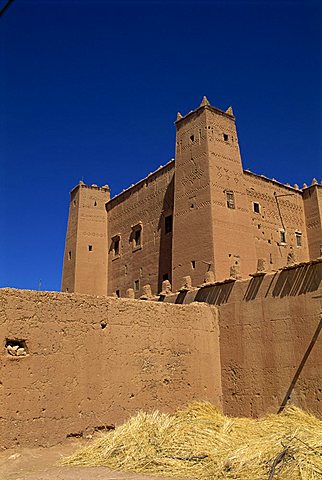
(117, 293)
(193, 264)
(282, 236)
(69, 255)
(256, 207)
(168, 224)
(137, 238)
(165, 276)
(136, 285)
(298, 238)
(192, 138)
(90, 248)
(95, 203)
(225, 137)
(116, 246)
(230, 198)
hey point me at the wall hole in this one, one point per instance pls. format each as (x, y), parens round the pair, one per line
(16, 348)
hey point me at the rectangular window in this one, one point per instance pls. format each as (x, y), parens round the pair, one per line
(168, 224)
(225, 137)
(116, 243)
(298, 238)
(282, 236)
(256, 207)
(136, 236)
(230, 198)
(136, 285)
(90, 248)
(193, 264)
(69, 255)
(118, 294)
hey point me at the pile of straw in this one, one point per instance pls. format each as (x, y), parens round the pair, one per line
(199, 442)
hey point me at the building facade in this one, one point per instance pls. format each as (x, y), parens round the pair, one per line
(200, 212)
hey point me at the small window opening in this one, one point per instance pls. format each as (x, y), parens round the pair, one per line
(192, 138)
(193, 264)
(69, 255)
(74, 203)
(168, 224)
(298, 238)
(116, 246)
(117, 293)
(136, 285)
(225, 137)
(282, 236)
(256, 207)
(230, 198)
(137, 238)
(165, 276)
(90, 248)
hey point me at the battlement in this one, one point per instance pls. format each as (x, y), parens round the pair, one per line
(81, 184)
(206, 105)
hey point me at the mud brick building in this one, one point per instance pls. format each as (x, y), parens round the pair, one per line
(199, 212)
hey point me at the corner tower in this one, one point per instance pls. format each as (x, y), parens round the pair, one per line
(85, 257)
(212, 224)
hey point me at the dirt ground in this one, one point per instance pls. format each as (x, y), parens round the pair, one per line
(42, 464)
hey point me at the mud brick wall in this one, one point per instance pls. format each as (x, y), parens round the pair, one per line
(266, 328)
(92, 362)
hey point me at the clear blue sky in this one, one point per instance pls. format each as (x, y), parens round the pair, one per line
(90, 89)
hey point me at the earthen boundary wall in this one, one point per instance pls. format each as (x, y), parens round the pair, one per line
(92, 362)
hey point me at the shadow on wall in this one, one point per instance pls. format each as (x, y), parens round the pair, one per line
(290, 282)
(297, 281)
(215, 294)
(165, 253)
(253, 288)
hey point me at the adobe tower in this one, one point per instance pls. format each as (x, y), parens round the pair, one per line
(212, 224)
(85, 258)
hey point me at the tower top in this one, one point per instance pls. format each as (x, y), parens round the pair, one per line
(205, 104)
(204, 101)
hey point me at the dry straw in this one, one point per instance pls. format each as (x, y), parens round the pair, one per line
(199, 442)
